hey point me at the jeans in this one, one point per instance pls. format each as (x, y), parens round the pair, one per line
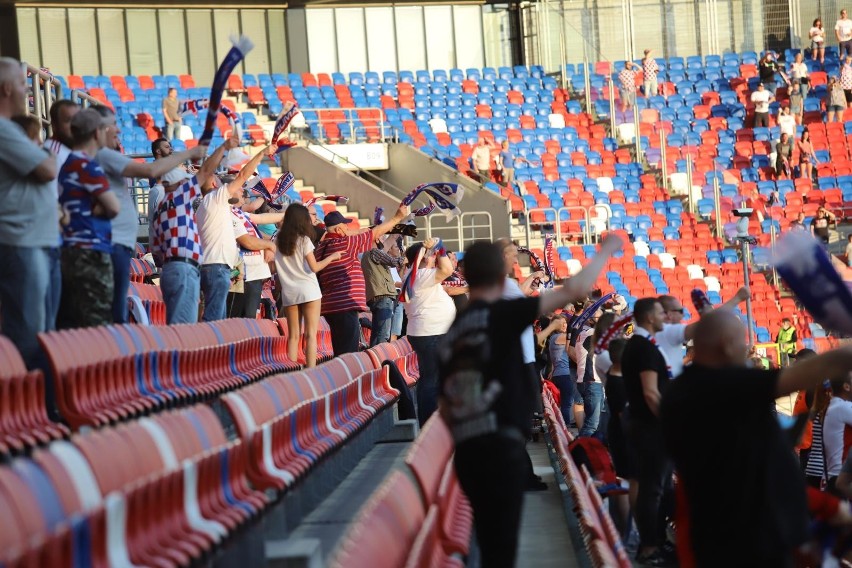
(382, 310)
(345, 331)
(173, 130)
(54, 291)
(180, 285)
(655, 472)
(492, 472)
(398, 312)
(215, 282)
(121, 256)
(592, 405)
(245, 305)
(426, 347)
(566, 396)
(24, 287)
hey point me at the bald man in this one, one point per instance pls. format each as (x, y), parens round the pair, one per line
(743, 486)
(29, 220)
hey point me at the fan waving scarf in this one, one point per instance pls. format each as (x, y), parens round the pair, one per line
(339, 199)
(612, 332)
(806, 268)
(237, 53)
(407, 291)
(291, 109)
(445, 196)
(193, 106)
(536, 264)
(550, 259)
(700, 301)
(273, 198)
(588, 312)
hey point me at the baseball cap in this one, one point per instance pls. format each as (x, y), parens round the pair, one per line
(177, 175)
(335, 218)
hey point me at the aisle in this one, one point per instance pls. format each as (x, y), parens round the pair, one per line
(545, 539)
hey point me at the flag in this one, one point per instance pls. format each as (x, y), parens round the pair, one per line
(241, 47)
(445, 196)
(806, 268)
(192, 106)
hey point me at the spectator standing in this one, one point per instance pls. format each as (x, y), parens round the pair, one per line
(557, 349)
(837, 428)
(817, 35)
(783, 156)
(799, 223)
(160, 148)
(430, 312)
(843, 33)
(835, 101)
(797, 104)
(616, 396)
(455, 285)
(820, 225)
(177, 241)
(846, 78)
(761, 99)
(650, 69)
(767, 68)
(125, 225)
(799, 74)
(627, 79)
(257, 253)
(786, 340)
(507, 164)
(29, 223)
(61, 113)
(486, 399)
(297, 268)
(382, 295)
(647, 375)
(589, 386)
(172, 116)
(815, 467)
(87, 280)
(787, 123)
(482, 160)
(763, 487)
(806, 155)
(342, 281)
(215, 226)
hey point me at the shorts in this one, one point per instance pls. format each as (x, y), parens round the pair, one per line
(835, 108)
(628, 97)
(815, 45)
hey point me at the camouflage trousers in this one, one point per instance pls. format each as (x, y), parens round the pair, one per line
(87, 289)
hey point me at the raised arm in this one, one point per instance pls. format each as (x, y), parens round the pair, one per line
(808, 374)
(578, 286)
(742, 295)
(248, 170)
(383, 229)
(266, 218)
(159, 168)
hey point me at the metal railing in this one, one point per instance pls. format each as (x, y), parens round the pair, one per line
(457, 230)
(44, 90)
(355, 134)
(585, 233)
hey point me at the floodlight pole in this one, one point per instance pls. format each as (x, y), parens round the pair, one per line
(745, 250)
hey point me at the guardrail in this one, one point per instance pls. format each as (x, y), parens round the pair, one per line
(355, 134)
(45, 89)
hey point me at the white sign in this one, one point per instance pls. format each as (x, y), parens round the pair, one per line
(354, 156)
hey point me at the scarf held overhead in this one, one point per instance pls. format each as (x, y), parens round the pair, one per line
(241, 48)
(444, 196)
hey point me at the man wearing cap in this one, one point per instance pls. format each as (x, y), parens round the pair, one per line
(125, 225)
(176, 237)
(85, 195)
(649, 72)
(342, 282)
(215, 226)
(380, 286)
(29, 221)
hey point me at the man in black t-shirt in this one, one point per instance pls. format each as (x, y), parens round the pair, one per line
(486, 398)
(646, 376)
(744, 489)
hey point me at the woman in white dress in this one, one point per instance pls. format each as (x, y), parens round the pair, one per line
(300, 291)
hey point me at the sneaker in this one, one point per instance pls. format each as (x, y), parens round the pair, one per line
(656, 558)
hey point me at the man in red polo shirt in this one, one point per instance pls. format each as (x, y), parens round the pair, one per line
(344, 292)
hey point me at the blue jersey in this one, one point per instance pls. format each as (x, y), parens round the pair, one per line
(81, 180)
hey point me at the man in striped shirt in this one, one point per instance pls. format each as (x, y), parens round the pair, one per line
(342, 283)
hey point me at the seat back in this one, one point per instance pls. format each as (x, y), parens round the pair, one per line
(428, 457)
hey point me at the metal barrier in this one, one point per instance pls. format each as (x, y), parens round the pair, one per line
(585, 233)
(44, 90)
(460, 231)
(356, 134)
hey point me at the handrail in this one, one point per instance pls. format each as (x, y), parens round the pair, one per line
(351, 112)
(586, 232)
(46, 89)
(479, 177)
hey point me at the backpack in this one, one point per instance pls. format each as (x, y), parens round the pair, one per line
(592, 453)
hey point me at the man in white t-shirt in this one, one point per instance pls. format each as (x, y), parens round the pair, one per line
(761, 99)
(843, 33)
(430, 312)
(837, 428)
(61, 113)
(216, 230)
(481, 158)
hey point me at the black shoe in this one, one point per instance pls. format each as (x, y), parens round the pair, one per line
(536, 485)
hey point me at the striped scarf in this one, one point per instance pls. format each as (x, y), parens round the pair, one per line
(536, 264)
(291, 109)
(700, 301)
(444, 196)
(581, 320)
(241, 47)
(614, 330)
(410, 279)
(338, 199)
(192, 106)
